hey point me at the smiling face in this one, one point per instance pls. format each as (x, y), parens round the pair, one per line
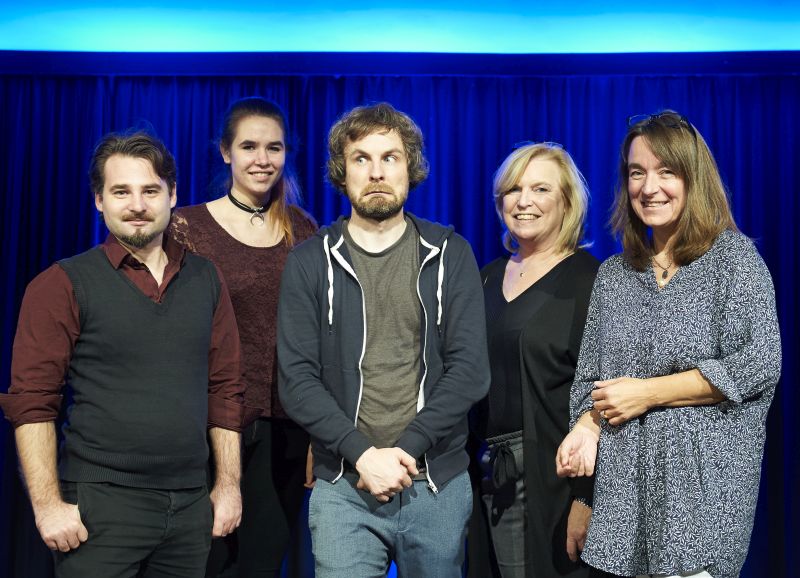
(257, 156)
(657, 195)
(533, 210)
(376, 175)
(135, 201)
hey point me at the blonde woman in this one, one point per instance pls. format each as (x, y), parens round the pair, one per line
(536, 300)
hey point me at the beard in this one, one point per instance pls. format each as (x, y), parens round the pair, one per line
(378, 207)
(139, 240)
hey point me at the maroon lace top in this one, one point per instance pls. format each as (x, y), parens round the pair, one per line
(253, 275)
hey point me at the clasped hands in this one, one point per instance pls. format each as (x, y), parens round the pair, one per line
(615, 400)
(385, 472)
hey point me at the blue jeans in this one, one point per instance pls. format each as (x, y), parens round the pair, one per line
(354, 535)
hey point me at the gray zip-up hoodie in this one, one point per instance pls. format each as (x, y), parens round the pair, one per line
(321, 331)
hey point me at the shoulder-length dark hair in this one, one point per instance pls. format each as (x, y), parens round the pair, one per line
(679, 146)
(287, 196)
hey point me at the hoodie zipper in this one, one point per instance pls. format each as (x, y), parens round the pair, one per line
(346, 266)
(421, 398)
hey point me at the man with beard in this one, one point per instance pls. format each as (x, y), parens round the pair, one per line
(381, 354)
(144, 334)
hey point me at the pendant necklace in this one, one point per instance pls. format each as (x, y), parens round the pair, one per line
(257, 213)
(662, 281)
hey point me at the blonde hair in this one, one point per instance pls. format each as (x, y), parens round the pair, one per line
(678, 145)
(572, 184)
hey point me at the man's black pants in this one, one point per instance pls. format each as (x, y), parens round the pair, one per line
(135, 532)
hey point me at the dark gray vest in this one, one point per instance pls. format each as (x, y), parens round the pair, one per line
(139, 377)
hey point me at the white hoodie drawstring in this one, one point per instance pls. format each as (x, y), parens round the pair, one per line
(439, 282)
(330, 281)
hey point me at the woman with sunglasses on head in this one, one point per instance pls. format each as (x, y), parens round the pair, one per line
(248, 233)
(679, 363)
(536, 301)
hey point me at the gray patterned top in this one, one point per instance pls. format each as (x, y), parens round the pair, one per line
(676, 488)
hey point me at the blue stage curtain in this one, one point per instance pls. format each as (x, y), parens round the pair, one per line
(50, 118)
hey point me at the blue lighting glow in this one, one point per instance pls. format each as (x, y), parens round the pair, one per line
(469, 26)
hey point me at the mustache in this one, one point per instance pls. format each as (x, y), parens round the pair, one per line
(378, 188)
(140, 216)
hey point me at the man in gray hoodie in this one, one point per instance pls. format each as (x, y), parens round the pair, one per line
(381, 354)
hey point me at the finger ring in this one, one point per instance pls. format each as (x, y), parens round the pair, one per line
(603, 414)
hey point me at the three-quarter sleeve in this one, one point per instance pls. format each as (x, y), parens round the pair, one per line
(47, 330)
(226, 407)
(749, 359)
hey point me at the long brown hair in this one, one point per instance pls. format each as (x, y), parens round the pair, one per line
(679, 146)
(287, 199)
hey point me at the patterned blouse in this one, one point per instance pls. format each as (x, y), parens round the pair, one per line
(676, 488)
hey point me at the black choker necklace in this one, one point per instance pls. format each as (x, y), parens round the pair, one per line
(257, 213)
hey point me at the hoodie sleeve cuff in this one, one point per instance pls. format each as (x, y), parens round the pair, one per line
(414, 444)
(353, 445)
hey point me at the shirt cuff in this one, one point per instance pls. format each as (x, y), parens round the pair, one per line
(582, 489)
(229, 414)
(714, 371)
(22, 408)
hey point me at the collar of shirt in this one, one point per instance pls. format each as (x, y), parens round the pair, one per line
(119, 255)
(136, 271)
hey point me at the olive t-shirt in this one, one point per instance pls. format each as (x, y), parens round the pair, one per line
(391, 364)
